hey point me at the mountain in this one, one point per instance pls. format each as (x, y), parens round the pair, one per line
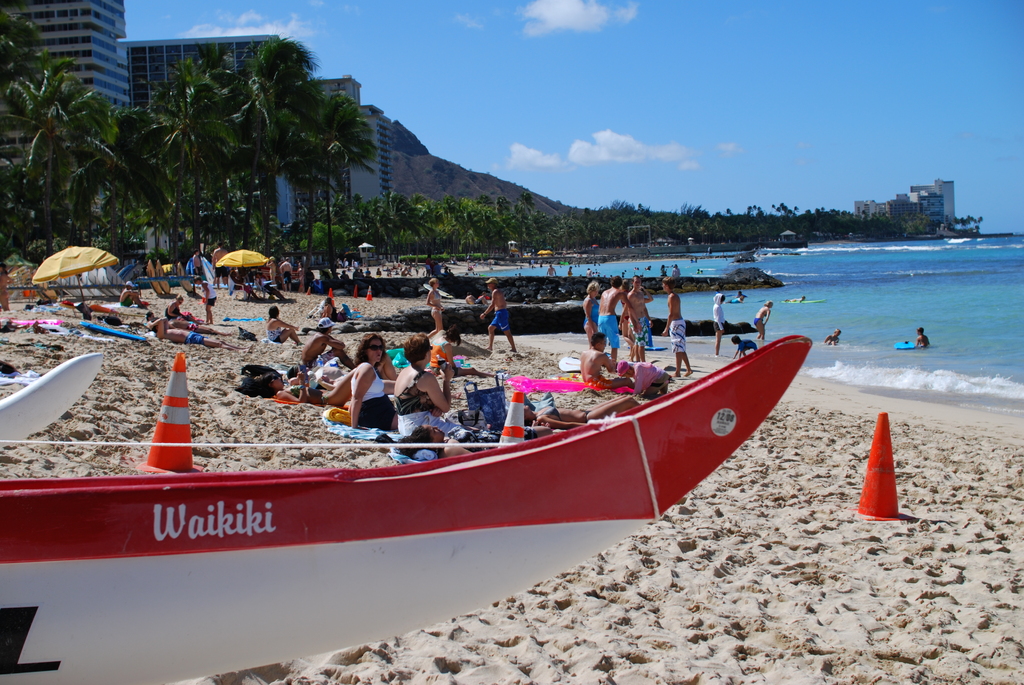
(415, 170)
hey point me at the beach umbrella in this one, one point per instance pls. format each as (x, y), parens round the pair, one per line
(243, 259)
(73, 261)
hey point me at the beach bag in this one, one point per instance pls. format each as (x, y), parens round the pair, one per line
(490, 401)
(112, 320)
(471, 418)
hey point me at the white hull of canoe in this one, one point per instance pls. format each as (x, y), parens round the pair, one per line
(36, 406)
(294, 600)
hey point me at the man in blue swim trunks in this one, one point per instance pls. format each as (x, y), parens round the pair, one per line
(188, 337)
(500, 309)
(607, 321)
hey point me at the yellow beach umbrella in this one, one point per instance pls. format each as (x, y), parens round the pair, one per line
(242, 259)
(545, 253)
(72, 261)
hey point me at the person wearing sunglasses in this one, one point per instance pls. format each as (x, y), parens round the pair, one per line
(370, 406)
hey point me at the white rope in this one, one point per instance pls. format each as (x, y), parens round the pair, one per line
(647, 467)
(315, 445)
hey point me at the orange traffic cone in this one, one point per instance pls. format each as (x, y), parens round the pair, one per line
(355, 291)
(309, 291)
(514, 421)
(330, 293)
(369, 294)
(172, 425)
(878, 499)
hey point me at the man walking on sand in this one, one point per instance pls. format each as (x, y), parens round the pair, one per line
(607, 322)
(500, 309)
(675, 327)
(220, 273)
(638, 298)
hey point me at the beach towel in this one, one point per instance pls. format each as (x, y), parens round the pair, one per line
(419, 456)
(27, 378)
(367, 434)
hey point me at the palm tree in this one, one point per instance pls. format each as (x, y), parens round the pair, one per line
(130, 173)
(19, 37)
(346, 142)
(278, 78)
(189, 106)
(58, 115)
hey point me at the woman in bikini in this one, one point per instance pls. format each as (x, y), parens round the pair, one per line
(421, 400)
(434, 302)
(590, 306)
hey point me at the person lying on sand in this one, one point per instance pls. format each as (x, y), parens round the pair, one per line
(593, 362)
(179, 336)
(425, 434)
(181, 324)
(322, 344)
(564, 419)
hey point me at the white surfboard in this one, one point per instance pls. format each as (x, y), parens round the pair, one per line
(35, 407)
(569, 364)
(208, 272)
(444, 295)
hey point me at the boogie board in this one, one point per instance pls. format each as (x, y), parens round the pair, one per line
(906, 345)
(802, 301)
(110, 331)
(524, 384)
(208, 272)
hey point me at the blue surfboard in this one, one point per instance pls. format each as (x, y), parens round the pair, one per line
(110, 331)
(906, 345)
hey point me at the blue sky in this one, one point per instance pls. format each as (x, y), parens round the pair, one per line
(719, 104)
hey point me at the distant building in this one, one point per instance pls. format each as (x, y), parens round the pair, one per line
(376, 180)
(150, 61)
(935, 201)
(87, 31)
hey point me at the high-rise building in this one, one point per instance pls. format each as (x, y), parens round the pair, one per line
(935, 201)
(377, 179)
(88, 31)
(150, 61)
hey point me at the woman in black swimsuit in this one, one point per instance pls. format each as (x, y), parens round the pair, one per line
(421, 400)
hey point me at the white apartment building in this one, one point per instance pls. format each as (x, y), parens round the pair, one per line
(88, 31)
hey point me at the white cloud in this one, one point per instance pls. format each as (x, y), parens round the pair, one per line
(524, 158)
(249, 23)
(316, 3)
(803, 146)
(468, 21)
(547, 16)
(609, 147)
(729, 149)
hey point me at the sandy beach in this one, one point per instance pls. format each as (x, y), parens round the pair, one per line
(762, 575)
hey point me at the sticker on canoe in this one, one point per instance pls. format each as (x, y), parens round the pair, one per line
(723, 422)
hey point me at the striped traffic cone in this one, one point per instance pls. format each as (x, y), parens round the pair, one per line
(369, 294)
(174, 426)
(514, 421)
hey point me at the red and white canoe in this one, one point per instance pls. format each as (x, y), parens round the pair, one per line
(150, 579)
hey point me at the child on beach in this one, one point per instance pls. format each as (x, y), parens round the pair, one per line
(648, 379)
(833, 339)
(922, 339)
(743, 346)
(500, 309)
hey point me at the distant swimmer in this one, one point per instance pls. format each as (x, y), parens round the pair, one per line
(833, 339)
(922, 339)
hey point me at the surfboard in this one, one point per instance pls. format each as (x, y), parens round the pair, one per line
(447, 296)
(569, 364)
(802, 301)
(110, 331)
(38, 405)
(208, 272)
(905, 345)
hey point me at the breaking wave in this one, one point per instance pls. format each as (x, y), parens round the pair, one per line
(903, 378)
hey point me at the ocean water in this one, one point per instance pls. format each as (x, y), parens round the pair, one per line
(968, 294)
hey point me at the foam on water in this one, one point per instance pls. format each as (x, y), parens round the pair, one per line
(913, 378)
